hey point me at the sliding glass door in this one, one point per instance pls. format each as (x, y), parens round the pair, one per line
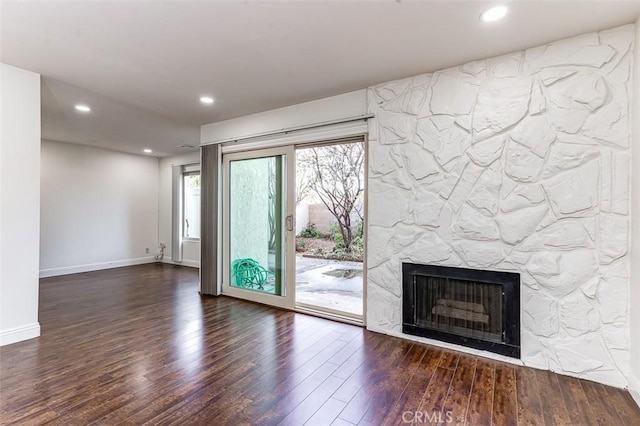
(316, 266)
(258, 226)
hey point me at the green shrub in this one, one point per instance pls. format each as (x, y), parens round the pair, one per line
(357, 247)
(359, 229)
(310, 231)
(338, 241)
(357, 242)
(336, 236)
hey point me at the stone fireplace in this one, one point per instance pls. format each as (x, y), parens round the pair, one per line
(517, 164)
(473, 308)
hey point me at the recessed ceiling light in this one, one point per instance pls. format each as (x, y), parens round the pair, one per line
(206, 99)
(147, 150)
(83, 108)
(494, 14)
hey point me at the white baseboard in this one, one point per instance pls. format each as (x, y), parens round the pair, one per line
(18, 334)
(634, 388)
(185, 262)
(66, 270)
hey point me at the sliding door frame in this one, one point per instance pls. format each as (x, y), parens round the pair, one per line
(318, 137)
(288, 300)
(327, 312)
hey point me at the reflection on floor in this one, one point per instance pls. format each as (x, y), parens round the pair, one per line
(330, 284)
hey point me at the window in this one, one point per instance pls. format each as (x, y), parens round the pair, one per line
(191, 205)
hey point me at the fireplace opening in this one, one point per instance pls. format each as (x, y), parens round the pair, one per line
(477, 309)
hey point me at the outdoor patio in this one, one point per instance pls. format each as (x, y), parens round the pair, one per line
(331, 284)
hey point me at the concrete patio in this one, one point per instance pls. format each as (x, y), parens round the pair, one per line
(331, 284)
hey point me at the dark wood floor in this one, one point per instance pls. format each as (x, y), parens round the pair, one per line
(138, 345)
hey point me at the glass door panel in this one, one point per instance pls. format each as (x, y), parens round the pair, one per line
(255, 224)
(255, 227)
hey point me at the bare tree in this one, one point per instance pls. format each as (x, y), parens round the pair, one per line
(336, 175)
(302, 184)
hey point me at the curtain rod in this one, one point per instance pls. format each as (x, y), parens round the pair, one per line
(292, 129)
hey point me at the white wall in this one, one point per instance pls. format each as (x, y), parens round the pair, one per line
(518, 163)
(99, 208)
(634, 385)
(350, 104)
(302, 216)
(19, 203)
(190, 249)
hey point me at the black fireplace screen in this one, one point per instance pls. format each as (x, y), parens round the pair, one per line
(479, 309)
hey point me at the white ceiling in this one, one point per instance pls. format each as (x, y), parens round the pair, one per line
(142, 65)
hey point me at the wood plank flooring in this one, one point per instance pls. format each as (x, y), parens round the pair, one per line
(138, 345)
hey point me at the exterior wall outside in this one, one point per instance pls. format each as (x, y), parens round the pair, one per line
(321, 217)
(249, 206)
(302, 216)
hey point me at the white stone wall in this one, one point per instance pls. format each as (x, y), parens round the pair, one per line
(516, 163)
